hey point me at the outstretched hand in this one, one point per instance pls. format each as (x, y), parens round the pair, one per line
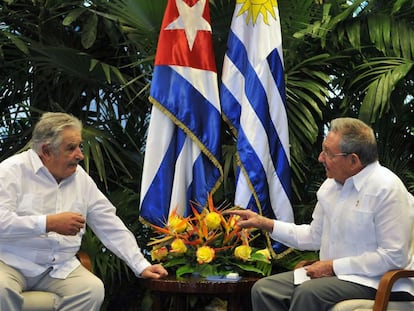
(250, 219)
(154, 272)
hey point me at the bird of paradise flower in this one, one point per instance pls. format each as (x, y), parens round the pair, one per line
(208, 243)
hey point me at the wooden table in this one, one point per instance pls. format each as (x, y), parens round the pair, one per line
(237, 293)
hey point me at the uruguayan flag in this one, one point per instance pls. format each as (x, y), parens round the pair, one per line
(183, 145)
(253, 103)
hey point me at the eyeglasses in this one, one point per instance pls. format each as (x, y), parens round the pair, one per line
(329, 155)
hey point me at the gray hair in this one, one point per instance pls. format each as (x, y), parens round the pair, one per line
(49, 128)
(356, 137)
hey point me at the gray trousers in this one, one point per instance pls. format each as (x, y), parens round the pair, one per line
(81, 290)
(277, 292)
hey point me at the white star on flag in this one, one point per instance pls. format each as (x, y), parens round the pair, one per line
(191, 20)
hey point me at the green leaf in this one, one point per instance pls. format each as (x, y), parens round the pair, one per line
(398, 4)
(89, 31)
(175, 261)
(72, 16)
(259, 257)
(249, 268)
(206, 270)
(107, 70)
(353, 31)
(20, 44)
(184, 270)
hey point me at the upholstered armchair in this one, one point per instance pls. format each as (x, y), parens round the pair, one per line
(44, 301)
(381, 302)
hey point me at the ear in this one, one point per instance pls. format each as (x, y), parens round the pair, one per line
(46, 150)
(356, 162)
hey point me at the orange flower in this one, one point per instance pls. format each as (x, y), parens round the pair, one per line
(205, 254)
(243, 252)
(159, 253)
(232, 223)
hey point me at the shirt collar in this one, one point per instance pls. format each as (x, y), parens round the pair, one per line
(37, 163)
(38, 166)
(360, 178)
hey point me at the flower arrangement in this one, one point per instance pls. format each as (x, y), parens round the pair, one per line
(208, 243)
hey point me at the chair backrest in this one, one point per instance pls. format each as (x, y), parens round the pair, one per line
(85, 260)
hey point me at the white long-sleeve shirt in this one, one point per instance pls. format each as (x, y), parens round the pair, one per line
(28, 192)
(365, 226)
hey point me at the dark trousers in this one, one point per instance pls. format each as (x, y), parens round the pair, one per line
(277, 293)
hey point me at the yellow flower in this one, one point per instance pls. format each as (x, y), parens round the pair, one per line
(178, 246)
(159, 254)
(205, 254)
(213, 220)
(265, 252)
(243, 252)
(177, 224)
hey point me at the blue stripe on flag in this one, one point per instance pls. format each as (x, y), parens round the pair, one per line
(205, 171)
(162, 182)
(195, 112)
(276, 68)
(233, 114)
(253, 164)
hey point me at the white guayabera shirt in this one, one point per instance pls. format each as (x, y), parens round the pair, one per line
(28, 192)
(364, 225)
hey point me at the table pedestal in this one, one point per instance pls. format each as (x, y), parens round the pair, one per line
(236, 293)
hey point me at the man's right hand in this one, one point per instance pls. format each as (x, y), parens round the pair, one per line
(66, 223)
(250, 219)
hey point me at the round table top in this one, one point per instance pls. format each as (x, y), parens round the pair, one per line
(198, 285)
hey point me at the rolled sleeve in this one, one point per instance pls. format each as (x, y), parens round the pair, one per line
(40, 224)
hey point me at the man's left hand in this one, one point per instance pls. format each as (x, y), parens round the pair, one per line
(320, 269)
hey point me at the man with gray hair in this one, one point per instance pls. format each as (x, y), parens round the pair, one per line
(46, 200)
(362, 225)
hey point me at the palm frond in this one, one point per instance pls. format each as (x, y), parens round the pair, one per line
(379, 77)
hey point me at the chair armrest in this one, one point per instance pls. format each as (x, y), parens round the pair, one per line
(85, 260)
(385, 286)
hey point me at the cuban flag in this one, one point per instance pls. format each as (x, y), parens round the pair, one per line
(253, 103)
(182, 158)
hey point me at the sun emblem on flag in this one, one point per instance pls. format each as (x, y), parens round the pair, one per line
(256, 7)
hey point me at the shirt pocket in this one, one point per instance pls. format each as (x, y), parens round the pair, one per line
(360, 227)
(78, 207)
(31, 204)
